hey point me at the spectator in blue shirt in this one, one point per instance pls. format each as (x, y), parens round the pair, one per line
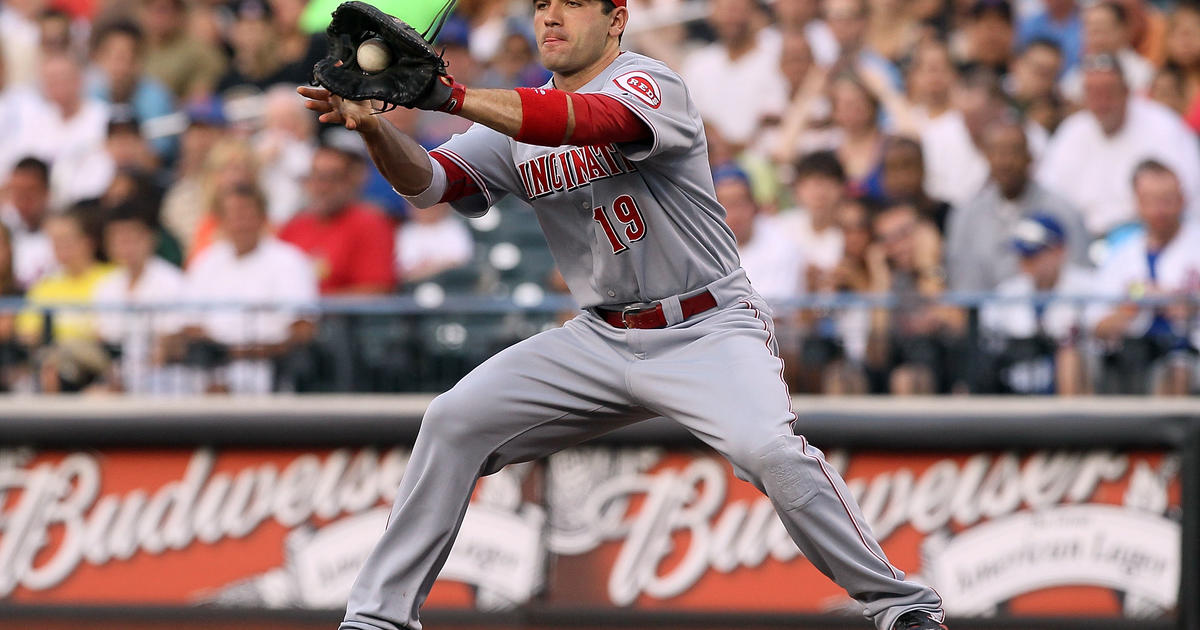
(1059, 23)
(117, 77)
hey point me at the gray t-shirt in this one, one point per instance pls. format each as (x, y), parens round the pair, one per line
(626, 223)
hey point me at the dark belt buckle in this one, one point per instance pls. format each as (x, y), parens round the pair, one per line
(634, 310)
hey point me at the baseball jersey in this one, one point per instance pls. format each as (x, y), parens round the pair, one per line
(626, 223)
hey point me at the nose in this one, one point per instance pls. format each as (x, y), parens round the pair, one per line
(553, 14)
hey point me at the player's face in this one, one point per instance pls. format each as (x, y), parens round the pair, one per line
(572, 34)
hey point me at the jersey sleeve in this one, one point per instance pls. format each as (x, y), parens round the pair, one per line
(485, 155)
(659, 97)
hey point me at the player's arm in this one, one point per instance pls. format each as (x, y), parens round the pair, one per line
(399, 158)
(549, 117)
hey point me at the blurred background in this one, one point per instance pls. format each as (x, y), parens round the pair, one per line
(976, 221)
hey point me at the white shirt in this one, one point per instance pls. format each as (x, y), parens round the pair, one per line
(824, 46)
(274, 273)
(1094, 171)
(33, 256)
(821, 249)
(19, 39)
(735, 95)
(446, 242)
(955, 169)
(1126, 273)
(160, 283)
(1019, 320)
(774, 264)
(74, 147)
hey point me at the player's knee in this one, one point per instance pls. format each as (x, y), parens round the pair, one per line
(450, 418)
(789, 471)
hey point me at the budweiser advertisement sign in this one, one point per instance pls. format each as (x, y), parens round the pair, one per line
(1048, 533)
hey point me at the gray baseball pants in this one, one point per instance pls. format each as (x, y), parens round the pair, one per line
(718, 374)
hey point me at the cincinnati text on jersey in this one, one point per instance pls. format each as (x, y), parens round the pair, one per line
(571, 168)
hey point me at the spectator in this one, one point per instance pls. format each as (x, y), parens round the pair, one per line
(1034, 79)
(796, 61)
(284, 148)
(1162, 262)
(847, 21)
(349, 241)
(255, 63)
(1058, 24)
(187, 66)
(903, 179)
(955, 167)
(979, 255)
(54, 32)
(854, 136)
(432, 241)
(297, 49)
(803, 16)
(910, 347)
(124, 146)
(516, 64)
(230, 163)
(1167, 89)
(930, 80)
(1106, 32)
(24, 214)
(1183, 52)
(739, 72)
(66, 129)
(117, 78)
(989, 36)
(1147, 30)
(140, 278)
(185, 199)
(247, 267)
(1038, 342)
(12, 355)
(773, 263)
(1094, 152)
(819, 187)
(70, 357)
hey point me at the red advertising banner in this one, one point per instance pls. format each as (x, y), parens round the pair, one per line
(1091, 533)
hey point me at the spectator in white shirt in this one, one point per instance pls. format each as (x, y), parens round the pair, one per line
(738, 73)
(430, 242)
(1093, 154)
(1162, 262)
(67, 130)
(247, 267)
(1106, 32)
(1037, 342)
(819, 187)
(955, 166)
(804, 16)
(772, 261)
(26, 210)
(141, 278)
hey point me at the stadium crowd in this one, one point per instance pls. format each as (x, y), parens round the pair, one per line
(1009, 153)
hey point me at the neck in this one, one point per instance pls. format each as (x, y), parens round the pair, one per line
(77, 268)
(70, 109)
(739, 46)
(135, 272)
(1014, 191)
(820, 220)
(570, 82)
(1047, 282)
(1156, 242)
(860, 135)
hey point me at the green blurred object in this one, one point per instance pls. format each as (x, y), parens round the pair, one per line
(419, 14)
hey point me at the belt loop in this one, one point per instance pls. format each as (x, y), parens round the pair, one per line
(672, 311)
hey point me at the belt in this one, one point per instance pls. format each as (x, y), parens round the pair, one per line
(650, 314)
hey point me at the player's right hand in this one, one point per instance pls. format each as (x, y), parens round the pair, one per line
(355, 115)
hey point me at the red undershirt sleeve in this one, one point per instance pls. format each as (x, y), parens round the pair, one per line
(599, 119)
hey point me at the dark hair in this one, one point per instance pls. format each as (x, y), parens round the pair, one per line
(38, 167)
(8, 279)
(136, 209)
(1152, 166)
(118, 27)
(1043, 42)
(820, 164)
(1118, 11)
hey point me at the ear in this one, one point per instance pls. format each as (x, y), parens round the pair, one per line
(618, 19)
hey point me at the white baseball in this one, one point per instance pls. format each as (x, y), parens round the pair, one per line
(373, 55)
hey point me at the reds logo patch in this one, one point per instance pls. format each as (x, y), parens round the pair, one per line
(641, 85)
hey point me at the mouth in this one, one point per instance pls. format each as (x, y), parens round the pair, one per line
(550, 40)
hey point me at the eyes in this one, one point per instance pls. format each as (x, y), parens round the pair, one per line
(542, 5)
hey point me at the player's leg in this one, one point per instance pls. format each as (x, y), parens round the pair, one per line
(552, 390)
(721, 379)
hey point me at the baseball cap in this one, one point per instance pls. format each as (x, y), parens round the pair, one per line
(1037, 233)
(729, 171)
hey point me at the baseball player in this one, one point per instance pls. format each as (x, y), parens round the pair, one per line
(612, 157)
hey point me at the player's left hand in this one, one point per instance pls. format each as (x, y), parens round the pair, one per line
(354, 115)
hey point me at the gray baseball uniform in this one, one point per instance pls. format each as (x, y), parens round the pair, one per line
(626, 224)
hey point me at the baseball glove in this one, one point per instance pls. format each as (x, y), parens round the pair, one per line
(416, 77)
